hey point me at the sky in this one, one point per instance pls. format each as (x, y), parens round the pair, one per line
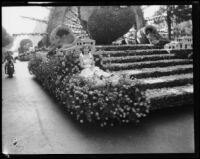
(13, 23)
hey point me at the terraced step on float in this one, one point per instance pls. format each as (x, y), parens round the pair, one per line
(139, 58)
(170, 97)
(124, 53)
(166, 81)
(126, 47)
(157, 71)
(146, 64)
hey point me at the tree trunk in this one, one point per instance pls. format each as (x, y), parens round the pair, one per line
(169, 25)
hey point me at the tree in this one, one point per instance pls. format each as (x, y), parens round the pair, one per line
(168, 11)
(160, 12)
(183, 29)
(6, 38)
(178, 13)
(182, 13)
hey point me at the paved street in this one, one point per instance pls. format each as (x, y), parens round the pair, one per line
(33, 123)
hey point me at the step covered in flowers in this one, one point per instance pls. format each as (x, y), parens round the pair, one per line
(170, 96)
(118, 53)
(166, 81)
(146, 64)
(126, 47)
(157, 71)
(139, 58)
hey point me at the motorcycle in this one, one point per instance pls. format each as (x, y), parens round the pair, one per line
(10, 69)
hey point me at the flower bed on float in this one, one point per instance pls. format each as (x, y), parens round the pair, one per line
(107, 104)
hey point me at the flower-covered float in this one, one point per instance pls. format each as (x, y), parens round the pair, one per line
(109, 84)
(89, 93)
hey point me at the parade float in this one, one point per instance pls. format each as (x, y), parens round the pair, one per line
(146, 77)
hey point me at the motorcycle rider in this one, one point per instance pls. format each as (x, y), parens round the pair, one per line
(9, 59)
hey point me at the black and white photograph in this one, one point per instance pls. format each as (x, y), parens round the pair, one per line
(97, 79)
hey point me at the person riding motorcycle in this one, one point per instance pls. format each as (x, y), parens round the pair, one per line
(9, 59)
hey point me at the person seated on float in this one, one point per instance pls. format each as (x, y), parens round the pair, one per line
(88, 65)
(94, 73)
(9, 59)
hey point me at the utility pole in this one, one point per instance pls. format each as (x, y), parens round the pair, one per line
(35, 19)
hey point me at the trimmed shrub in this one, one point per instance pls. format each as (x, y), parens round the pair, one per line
(107, 23)
(7, 40)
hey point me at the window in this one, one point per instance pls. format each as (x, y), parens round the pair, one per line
(180, 45)
(186, 46)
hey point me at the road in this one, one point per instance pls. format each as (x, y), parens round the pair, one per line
(33, 123)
